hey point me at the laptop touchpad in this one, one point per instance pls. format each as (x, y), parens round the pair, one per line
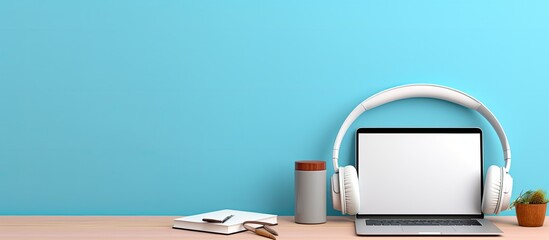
(384, 229)
(428, 229)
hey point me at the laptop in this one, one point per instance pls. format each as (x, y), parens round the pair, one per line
(420, 181)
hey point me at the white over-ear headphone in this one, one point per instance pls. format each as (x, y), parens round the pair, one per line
(497, 186)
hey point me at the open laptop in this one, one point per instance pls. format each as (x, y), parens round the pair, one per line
(420, 181)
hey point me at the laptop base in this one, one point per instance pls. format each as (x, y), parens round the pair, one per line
(486, 228)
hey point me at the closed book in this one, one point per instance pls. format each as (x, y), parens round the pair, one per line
(232, 225)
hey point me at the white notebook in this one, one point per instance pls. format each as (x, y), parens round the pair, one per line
(232, 225)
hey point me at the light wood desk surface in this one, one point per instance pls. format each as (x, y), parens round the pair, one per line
(159, 227)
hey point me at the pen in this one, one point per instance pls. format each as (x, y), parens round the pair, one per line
(210, 220)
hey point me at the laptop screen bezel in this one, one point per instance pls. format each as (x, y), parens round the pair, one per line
(423, 130)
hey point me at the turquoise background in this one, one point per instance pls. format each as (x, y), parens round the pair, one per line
(180, 107)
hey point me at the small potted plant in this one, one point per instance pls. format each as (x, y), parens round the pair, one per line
(531, 207)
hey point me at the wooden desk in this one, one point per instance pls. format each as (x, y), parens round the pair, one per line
(57, 227)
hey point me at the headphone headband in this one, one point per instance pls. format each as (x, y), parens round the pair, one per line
(423, 91)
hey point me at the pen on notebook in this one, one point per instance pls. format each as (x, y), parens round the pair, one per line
(210, 220)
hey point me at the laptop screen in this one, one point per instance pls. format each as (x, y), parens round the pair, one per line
(419, 171)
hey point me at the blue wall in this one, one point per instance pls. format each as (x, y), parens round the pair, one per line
(180, 107)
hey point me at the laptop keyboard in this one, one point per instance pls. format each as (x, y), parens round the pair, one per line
(423, 222)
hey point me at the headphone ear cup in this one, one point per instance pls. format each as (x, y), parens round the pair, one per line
(491, 200)
(350, 186)
(336, 192)
(507, 191)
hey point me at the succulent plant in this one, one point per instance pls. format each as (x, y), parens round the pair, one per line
(538, 197)
(531, 197)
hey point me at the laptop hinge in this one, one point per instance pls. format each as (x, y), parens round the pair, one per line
(419, 216)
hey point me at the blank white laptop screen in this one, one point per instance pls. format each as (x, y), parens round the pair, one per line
(420, 173)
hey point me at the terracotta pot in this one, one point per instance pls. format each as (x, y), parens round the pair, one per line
(531, 215)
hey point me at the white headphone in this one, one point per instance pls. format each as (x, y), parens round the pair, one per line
(497, 186)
